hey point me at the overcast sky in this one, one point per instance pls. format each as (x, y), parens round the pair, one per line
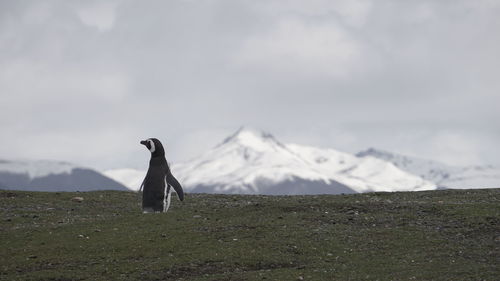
(85, 81)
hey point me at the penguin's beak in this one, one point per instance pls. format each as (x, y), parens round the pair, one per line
(144, 142)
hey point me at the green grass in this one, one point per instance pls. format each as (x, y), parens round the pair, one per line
(435, 235)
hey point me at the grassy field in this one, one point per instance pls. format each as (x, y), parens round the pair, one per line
(436, 235)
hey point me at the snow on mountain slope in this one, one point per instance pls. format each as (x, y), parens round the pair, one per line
(243, 160)
(443, 175)
(131, 178)
(45, 175)
(249, 160)
(36, 168)
(474, 177)
(361, 174)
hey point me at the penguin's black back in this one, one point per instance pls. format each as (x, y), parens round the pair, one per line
(154, 184)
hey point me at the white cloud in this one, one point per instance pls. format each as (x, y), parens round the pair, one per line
(99, 14)
(22, 79)
(346, 74)
(296, 46)
(103, 149)
(194, 143)
(351, 12)
(454, 148)
(354, 12)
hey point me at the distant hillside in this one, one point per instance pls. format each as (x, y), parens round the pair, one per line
(445, 176)
(52, 176)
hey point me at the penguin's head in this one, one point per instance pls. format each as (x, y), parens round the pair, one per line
(155, 146)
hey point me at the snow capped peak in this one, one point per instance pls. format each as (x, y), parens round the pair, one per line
(249, 159)
(240, 161)
(252, 161)
(403, 161)
(50, 175)
(373, 152)
(36, 169)
(377, 153)
(250, 138)
(442, 174)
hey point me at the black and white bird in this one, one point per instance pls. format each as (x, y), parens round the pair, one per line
(158, 183)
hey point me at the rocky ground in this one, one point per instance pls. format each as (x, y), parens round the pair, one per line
(434, 235)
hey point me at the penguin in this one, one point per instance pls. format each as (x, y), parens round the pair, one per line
(158, 181)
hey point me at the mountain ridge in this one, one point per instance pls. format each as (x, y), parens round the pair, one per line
(253, 162)
(47, 175)
(444, 175)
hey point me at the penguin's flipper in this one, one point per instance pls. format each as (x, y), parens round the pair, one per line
(171, 180)
(143, 181)
(142, 185)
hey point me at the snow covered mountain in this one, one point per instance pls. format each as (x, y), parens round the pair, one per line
(252, 162)
(130, 178)
(445, 176)
(44, 175)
